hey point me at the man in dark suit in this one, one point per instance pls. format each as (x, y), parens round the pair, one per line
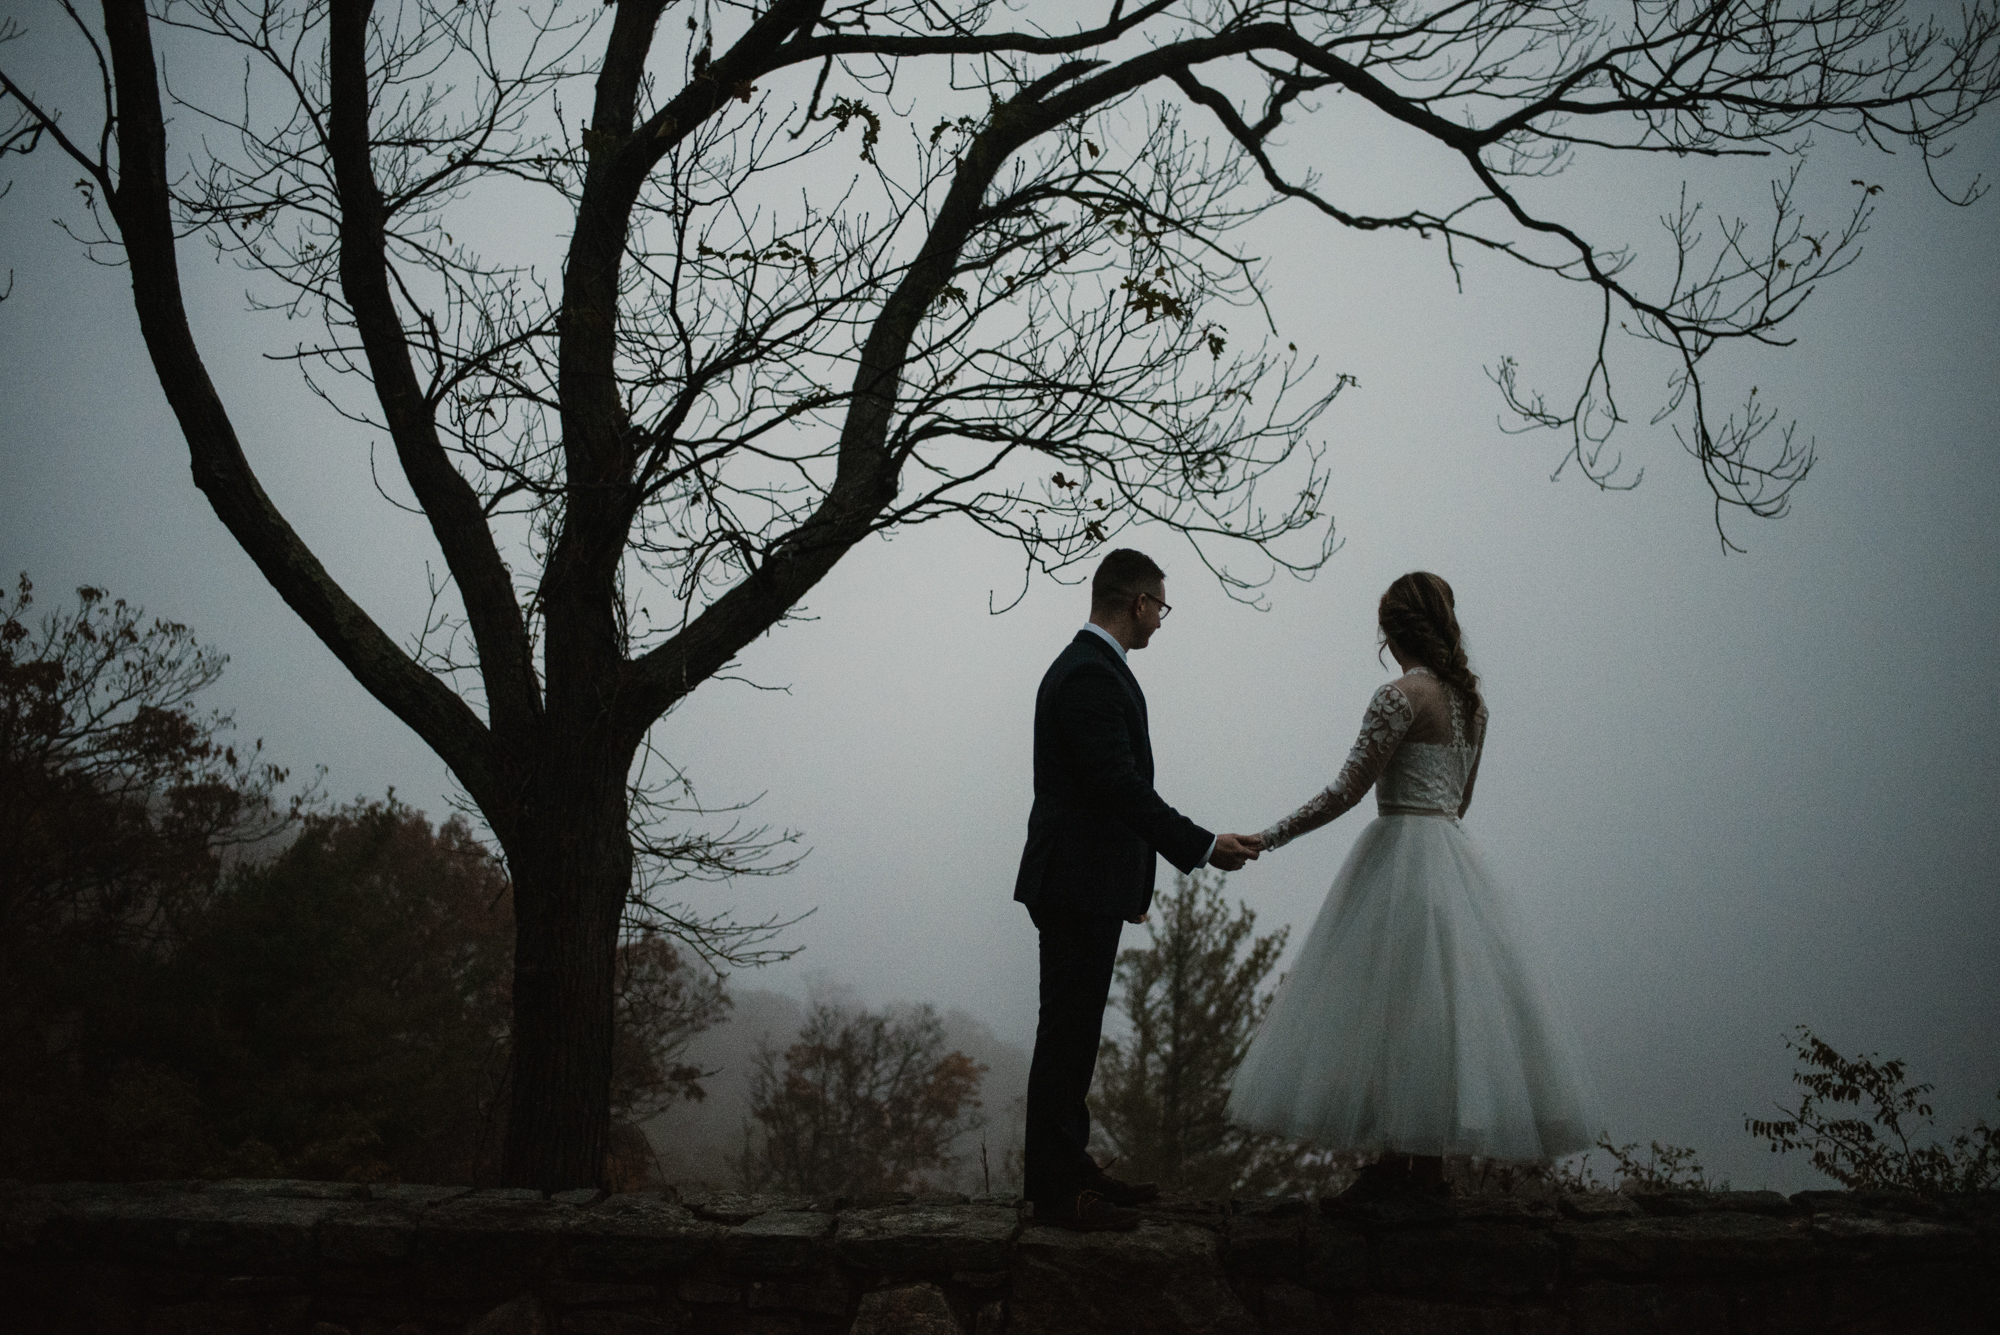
(1088, 869)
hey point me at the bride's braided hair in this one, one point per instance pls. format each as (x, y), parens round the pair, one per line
(1417, 614)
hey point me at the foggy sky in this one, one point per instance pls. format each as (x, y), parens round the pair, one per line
(1730, 793)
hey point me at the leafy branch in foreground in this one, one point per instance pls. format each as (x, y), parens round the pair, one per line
(1877, 1150)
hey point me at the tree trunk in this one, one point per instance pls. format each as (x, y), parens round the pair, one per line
(570, 855)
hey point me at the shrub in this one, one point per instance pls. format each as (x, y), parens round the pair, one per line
(1879, 1150)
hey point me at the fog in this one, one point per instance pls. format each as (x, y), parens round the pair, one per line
(1731, 792)
(699, 1142)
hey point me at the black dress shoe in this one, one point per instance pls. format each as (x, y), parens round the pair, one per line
(1120, 1193)
(1388, 1178)
(1397, 1179)
(1087, 1212)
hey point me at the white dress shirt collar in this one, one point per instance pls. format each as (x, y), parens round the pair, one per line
(1109, 638)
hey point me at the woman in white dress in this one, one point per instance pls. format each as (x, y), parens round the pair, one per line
(1409, 1027)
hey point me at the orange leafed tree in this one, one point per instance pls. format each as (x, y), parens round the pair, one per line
(863, 1104)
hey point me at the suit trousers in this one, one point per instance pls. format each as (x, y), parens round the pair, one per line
(1078, 953)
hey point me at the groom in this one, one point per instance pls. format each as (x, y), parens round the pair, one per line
(1087, 870)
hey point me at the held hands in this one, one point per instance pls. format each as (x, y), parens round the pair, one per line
(1233, 850)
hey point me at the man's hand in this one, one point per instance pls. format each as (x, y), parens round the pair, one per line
(1233, 850)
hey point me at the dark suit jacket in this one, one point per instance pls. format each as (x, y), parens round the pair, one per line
(1097, 822)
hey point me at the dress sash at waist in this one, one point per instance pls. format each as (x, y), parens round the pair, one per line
(1389, 809)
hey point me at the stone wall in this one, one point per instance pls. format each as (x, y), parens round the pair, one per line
(315, 1258)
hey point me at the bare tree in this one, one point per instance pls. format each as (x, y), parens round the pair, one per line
(1013, 315)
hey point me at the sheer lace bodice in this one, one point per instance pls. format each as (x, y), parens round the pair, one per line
(1417, 750)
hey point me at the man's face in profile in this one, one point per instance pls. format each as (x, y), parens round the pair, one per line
(1147, 612)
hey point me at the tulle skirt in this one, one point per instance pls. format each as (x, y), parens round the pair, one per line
(1410, 1022)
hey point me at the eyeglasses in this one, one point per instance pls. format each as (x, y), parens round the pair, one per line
(1164, 608)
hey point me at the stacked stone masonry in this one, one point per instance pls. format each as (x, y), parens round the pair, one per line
(320, 1258)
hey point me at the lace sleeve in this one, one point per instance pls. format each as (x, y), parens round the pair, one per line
(1383, 727)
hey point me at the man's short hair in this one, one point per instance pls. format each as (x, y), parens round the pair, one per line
(1121, 575)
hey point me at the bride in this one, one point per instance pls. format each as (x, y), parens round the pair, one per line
(1409, 1026)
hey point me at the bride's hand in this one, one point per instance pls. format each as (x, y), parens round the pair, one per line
(1233, 850)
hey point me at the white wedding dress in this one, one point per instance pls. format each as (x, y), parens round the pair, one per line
(1409, 1022)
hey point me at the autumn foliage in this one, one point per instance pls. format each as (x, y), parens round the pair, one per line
(118, 798)
(862, 1105)
(198, 977)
